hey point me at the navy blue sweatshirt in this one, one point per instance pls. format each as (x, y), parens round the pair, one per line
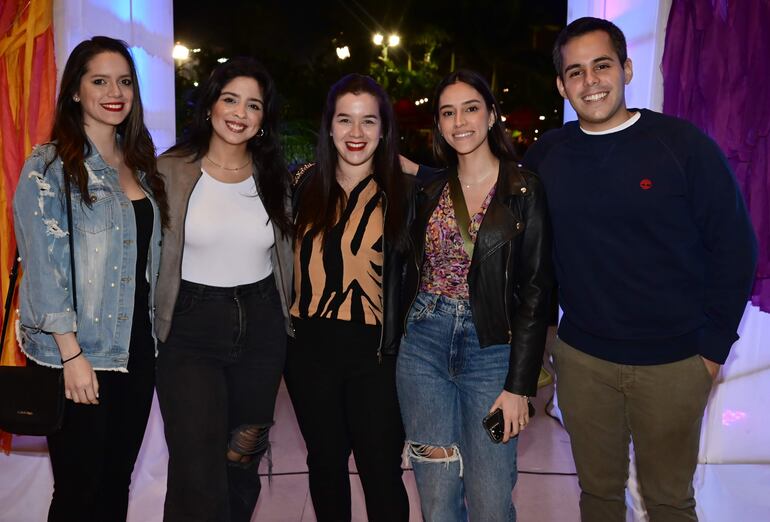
(654, 250)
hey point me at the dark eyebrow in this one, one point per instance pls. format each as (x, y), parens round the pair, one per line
(348, 115)
(97, 75)
(602, 58)
(474, 100)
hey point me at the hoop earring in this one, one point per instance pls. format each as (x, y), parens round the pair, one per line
(260, 132)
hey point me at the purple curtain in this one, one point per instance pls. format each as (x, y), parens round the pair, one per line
(716, 71)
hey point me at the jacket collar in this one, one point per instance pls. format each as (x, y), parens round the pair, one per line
(95, 162)
(92, 157)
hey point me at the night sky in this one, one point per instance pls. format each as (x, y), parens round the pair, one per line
(506, 40)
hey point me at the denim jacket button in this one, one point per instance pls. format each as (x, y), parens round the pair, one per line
(93, 198)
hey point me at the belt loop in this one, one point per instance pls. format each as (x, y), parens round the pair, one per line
(432, 302)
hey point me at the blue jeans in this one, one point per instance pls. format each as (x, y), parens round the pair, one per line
(446, 385)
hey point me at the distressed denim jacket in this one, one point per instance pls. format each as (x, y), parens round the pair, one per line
(105, 261)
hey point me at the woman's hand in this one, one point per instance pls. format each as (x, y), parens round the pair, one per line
(80, 382)
(515, 413)
(408, 166)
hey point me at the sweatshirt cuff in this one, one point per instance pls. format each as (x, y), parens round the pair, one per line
(715, 344)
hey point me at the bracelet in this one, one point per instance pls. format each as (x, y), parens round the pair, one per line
(65, 361)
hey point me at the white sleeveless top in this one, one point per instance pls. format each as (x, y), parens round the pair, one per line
(228, 235)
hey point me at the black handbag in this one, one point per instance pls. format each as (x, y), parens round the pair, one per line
(33, 395)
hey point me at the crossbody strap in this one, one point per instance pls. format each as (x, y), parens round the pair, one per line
(9, 298)
(72, 241)
(461, 212)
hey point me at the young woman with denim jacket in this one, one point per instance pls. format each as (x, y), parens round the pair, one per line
(106, 348)
(223, 289)
(340, 367)
(476, 323)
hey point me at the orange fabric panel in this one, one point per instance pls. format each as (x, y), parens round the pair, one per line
(27, 102)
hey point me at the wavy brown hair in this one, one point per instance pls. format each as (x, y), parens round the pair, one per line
(69, 135)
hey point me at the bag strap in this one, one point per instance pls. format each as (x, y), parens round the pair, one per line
(461, 212)
(72, 242)
(9, 298)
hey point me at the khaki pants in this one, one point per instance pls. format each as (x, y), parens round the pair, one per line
(660, 407)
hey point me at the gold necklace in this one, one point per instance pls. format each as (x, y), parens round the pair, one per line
(227, 168)
(477, 182)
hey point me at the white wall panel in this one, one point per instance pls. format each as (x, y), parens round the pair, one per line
(148, 27)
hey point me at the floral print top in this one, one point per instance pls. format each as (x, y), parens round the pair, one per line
(446, 264)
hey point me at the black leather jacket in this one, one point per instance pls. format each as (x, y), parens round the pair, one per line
(510, 276)
(392, 270)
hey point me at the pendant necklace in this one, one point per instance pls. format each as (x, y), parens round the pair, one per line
(477, 182)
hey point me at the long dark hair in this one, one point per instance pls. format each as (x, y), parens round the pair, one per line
(323, 199)
(69, 135)
(265, 147)
(499, 142)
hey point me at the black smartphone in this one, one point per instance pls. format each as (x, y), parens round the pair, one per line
(493, 423)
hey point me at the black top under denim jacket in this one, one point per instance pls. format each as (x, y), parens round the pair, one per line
(392, 267)
(511, 273)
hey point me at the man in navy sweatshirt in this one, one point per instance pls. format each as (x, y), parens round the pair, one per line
(655, 258)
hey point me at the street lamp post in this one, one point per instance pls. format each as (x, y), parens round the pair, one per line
(393, 41)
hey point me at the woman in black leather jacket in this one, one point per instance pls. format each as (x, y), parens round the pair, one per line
(476, 324)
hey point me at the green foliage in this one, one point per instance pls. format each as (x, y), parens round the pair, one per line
(298, 139)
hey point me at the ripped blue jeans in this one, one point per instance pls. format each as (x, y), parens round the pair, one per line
(446, 384)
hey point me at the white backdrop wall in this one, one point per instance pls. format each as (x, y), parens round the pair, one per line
(148, 28)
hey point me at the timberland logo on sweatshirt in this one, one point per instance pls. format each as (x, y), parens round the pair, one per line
(646, 184)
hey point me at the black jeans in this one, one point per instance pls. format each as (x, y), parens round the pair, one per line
(93, 455)
(346, 400)
(218, 375)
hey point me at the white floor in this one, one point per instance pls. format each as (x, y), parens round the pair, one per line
(547, 490)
